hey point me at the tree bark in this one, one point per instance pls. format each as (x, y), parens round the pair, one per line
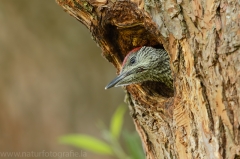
(201, 118)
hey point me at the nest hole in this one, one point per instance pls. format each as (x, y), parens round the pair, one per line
(123, 40)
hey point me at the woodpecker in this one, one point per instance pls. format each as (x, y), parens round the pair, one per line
(144, 64)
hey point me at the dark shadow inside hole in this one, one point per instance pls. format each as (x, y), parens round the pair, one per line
(159, 88)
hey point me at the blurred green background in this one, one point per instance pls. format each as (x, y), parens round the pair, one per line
(52, 79)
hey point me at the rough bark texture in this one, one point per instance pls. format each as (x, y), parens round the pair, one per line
(201, 119)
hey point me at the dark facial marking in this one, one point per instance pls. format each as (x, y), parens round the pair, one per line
(133, 60)
(131, 52)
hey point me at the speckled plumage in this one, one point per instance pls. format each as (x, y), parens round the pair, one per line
(144, 64)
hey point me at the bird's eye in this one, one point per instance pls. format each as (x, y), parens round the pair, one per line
(133, 60)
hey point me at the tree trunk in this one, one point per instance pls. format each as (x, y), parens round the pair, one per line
(201, 119)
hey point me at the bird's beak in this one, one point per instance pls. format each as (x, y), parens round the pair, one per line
(116, 80)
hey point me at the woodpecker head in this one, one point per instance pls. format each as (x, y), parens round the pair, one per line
(139, 65)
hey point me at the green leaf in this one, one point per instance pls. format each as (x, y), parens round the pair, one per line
(88, 143)
(117, 121)
(134, 145)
